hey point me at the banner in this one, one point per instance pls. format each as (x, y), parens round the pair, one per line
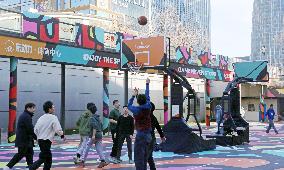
(21, 48)
(49, 52)
(186, 55)
(192, 71)
(149, 51)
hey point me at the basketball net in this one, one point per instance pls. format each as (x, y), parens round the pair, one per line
(135, 67)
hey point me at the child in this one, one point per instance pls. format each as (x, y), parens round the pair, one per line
(125, 129)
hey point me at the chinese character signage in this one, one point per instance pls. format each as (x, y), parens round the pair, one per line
(21, 48)
(49, 52)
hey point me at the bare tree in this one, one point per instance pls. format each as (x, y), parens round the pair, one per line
(169, 24)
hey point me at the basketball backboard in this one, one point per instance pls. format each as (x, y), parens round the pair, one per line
(150, 51)
(256, 70)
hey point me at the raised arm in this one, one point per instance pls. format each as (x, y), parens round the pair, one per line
(147, 90)
(132, 108)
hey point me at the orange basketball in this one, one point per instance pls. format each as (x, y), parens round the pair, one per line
(142, 20)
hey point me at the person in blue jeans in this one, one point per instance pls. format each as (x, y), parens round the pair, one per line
(142, 117)
(270, 114)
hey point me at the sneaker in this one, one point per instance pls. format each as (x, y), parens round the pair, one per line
(131, 161)
(6, 168)
(76, 160)
(113, 160)
(102, 164)
(116, 161)
(81, 163)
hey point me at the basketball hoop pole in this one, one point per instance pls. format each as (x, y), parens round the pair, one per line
(125, 82)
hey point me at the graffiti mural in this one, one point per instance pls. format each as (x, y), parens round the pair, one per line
(105, 98)
(186, 55)
(166, 97)
(89, 37)
(12, 100)
(119, 37)
(49, 52)
(40, 27)
(256, 70)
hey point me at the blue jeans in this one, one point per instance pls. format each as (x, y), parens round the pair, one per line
(99, 149)
(141, 150)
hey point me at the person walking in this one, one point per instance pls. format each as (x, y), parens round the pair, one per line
(45, 129)
(84, 130)
(142, 116)
(25, 137)
(113, 117)
(270, 114)
(95, 137)
(125, 130)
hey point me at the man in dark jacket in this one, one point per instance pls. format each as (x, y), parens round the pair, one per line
(125, 129)
(155, 125)
(25, 137)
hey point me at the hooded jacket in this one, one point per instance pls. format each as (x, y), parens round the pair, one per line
(84, 123)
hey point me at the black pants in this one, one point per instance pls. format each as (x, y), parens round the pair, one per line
(120, 142)
(150, 160)
(45, 155)
(27, 152)
(114, 146)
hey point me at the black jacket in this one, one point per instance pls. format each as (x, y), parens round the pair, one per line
(25, 130)
(155, 125)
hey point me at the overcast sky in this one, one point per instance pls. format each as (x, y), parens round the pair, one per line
(231, 25)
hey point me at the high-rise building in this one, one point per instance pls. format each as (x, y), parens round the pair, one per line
(267, 32)
(192, 13)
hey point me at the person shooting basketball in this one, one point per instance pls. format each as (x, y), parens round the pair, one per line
(142, 116)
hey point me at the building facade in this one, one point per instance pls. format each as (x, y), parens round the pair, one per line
(192, 13)
(267, 32)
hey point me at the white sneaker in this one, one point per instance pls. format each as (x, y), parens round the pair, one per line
(6, 168)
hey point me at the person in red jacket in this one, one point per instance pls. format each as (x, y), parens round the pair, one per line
(142, 116)
(155, 125)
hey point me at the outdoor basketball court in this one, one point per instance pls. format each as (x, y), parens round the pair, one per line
(265, 151)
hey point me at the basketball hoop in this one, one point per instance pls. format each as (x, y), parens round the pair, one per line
(135, 67)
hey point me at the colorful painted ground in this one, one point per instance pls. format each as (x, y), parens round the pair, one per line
(265, 151)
